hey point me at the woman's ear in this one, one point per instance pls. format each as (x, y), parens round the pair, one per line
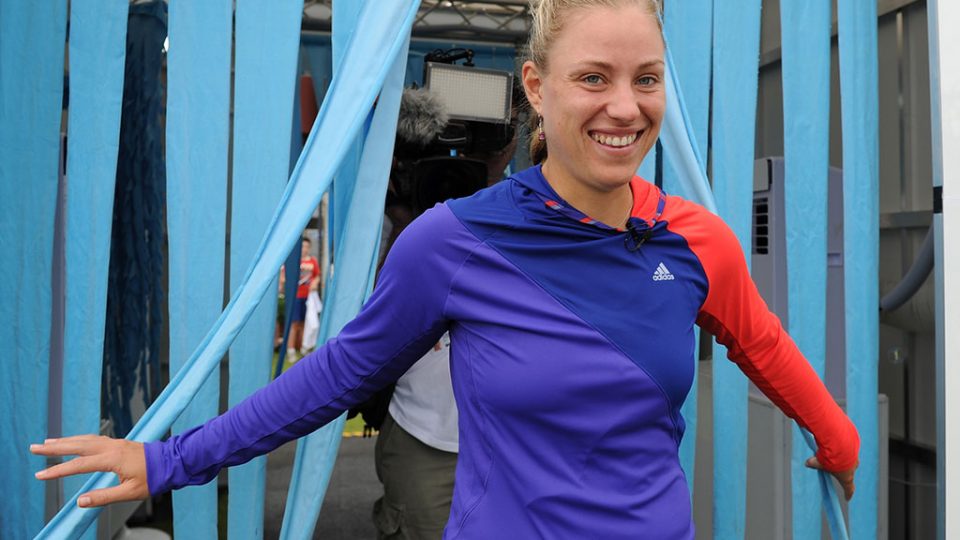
(532, 84)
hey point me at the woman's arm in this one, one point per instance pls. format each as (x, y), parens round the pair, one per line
(402, 320)
(736, 314)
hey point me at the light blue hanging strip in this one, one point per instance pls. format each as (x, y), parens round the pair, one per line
(198, 120)
(736, 56)
(857, 24)
(805, 31)
(341, 117)
(344, 27)
(828, 494)
(291, 266)
(98, 50)
(690, 23)
(265, 73)
(688, 28)
(352, 280)
(680, 147)
(318, 61)
(338, 198)
(31, 95)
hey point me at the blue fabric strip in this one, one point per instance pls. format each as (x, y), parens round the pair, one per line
(198, 119)
(342, 114)
(97, 59)
(131, 352)
(291, 268)
(265, 72)
(688, 27)
(690, 23)
(31, 94)
(356, 260)
(344, 26)
(828, 494)
(736, 58)
(857, 23)
(805, 30)
(341, 193)
(679, 146)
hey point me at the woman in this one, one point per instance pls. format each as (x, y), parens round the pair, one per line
(570, 292)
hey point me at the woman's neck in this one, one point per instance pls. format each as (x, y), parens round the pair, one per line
(611, 208)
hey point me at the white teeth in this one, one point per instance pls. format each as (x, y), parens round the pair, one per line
(615, 141)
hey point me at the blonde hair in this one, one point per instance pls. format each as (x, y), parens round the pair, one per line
(548, 17)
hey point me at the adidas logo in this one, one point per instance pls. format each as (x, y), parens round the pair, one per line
(662, 274)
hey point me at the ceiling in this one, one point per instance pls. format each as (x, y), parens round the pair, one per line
(498, 21)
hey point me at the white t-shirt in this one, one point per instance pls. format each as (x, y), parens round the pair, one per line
(423, 403)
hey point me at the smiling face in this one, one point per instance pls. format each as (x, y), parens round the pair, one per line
(601, 96)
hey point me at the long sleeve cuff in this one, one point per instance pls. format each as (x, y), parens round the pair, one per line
(842, 456)
(161, 467)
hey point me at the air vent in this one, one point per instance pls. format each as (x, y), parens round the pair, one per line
(761, 226)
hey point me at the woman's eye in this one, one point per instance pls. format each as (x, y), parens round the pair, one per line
(592, 79)
(647, 80)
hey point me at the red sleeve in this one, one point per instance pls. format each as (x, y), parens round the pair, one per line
(316, 268)
(736, 314)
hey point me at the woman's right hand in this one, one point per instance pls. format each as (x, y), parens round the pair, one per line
(95, 453)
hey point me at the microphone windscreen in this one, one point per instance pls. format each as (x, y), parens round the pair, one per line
(422, 116)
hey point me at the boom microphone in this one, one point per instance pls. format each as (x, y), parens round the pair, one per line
(422, 117)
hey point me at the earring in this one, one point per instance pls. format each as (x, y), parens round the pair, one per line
(540, 135)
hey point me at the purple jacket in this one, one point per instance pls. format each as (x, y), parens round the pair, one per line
(571, 353)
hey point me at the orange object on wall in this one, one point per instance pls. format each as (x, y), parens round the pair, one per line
(308, 104)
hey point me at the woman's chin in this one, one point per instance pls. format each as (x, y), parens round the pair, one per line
(614, 176)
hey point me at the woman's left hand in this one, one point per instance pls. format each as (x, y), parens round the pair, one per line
(844, 477)
(97, 453)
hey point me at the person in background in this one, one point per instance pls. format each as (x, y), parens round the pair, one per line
(416, 450)
(309, 281)
(570, 292)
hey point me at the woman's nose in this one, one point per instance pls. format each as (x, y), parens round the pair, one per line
(622, 103)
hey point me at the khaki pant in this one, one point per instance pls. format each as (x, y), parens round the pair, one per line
(417, 483)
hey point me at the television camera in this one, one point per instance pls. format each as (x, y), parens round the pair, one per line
(447, 130)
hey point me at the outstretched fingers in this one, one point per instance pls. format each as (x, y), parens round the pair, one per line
(79, 445)
(79, 465)
(92, 449)
(95, 453)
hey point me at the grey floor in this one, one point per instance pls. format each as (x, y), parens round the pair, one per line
(354, 487)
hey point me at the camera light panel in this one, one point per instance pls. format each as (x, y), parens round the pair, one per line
(471, 93)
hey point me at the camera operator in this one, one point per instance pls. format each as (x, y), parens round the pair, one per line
(416, 450)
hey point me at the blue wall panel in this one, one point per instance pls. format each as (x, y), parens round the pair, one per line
(805, 30)
(31, 93)
(97, 61)
(688, 26)
(198, 120)
(736, 55)
(265, 59)
(859, 104)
